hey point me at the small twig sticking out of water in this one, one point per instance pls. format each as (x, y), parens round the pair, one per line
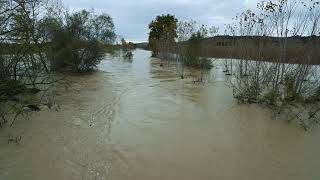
(15, 140)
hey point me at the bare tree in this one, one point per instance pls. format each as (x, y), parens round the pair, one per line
(280, 85)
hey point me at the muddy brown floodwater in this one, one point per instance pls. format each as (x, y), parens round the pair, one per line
(138, 121)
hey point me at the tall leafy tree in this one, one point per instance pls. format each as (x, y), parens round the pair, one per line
(163, 30)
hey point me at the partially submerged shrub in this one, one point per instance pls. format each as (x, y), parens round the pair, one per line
(128, 55)
(270, 98)
(198, 62)
(283, 87)
(79, 45)
(10, 88)
(192, 55)
(289, 88)
(246, 94)
(91, 55)
(77, 58)
(38, 36)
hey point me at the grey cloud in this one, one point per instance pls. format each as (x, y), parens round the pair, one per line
(133, 16)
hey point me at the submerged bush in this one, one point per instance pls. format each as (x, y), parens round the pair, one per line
(79, 45)
(198, 62)
(290, 89)
(77, 56)
(37, 37)
(192, 55)
(128, 55)
(270, 98)
(10, 88)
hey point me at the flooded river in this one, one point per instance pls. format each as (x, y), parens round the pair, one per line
(139, 121)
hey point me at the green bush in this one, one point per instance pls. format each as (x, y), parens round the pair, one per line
(192, 56)
(290, 91)
(270, 98)
(248, 94)
(80, 44)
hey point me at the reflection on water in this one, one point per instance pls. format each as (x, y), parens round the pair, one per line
(137, 120)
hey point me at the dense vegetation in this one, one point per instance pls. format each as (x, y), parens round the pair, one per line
(40, 37)
(77, 41)
(289, 89)
(180, 41)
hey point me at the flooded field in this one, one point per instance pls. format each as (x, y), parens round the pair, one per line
(139, 121)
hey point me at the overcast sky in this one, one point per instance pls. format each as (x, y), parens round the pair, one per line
(131, 17)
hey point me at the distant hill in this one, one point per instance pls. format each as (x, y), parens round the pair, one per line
(263, 48)
(259, 48)
(143, 45)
